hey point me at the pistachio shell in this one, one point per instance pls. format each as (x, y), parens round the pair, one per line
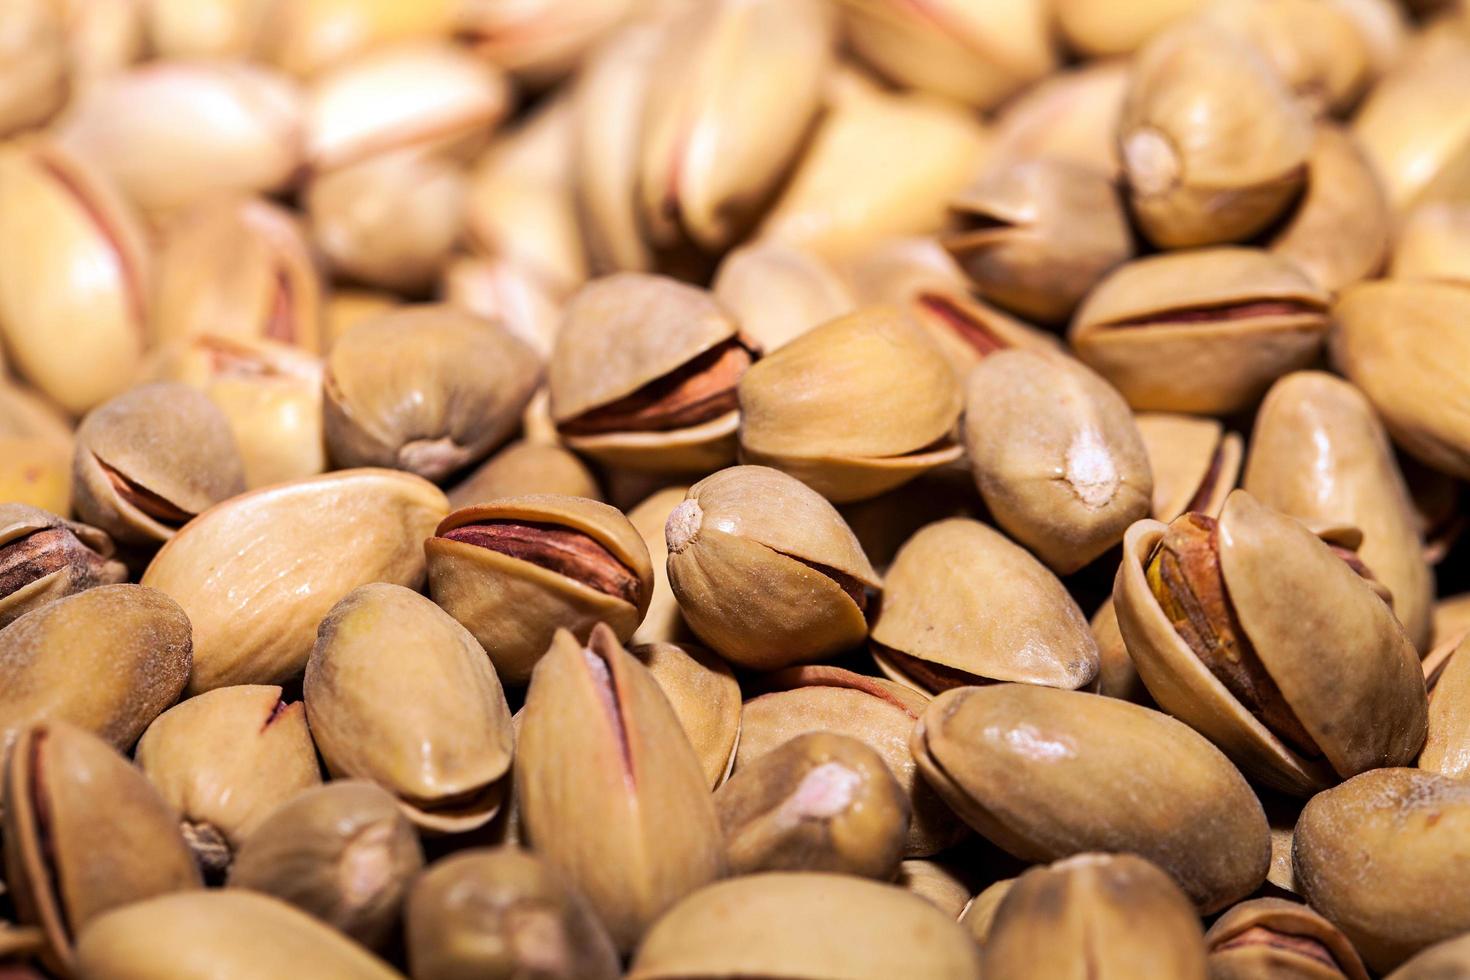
(108, 660)
(1380, 857)
(1047, 773)
(1319, 453)
(1274, 937)
(1447, 746)
(344, 853)
(542, 40)
(1116, 675)
(1056, 455)
(104, 37)
(963, 605)
(220, 935)
(1317, 48)
(84, 833)
(204, 28)
(346, 308)
(1433, 242)
(705, 696)
(777, 292)
(509, 291)
(568, 562)
(1451, 618)
(663, 623)
(33, 84)
(309, 35)
(1107, 27)
(44, 558)
(941, 885)
(434, 729)
(499, 914)
(524, 467)
(36, 472)
(248, 572)
(1070, 115)
(1202, 331)
(1442, 961)
(594, 717)
(883, 524)
(805, 926)
(1194, 462)
(979, 915)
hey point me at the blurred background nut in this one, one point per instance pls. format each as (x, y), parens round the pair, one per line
(307, 36)
(207, 28)
(103, 38)
(1271, 936)
(35, 450)
(539, 41)
(1433, 242)
(505, 290)
(777, 292)
(33, 84)
(524, 467)
(44, 558)
(1071, 115)
(1098, 28)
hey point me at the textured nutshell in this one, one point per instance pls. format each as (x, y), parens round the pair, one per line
(44, 558)
(1275, 937)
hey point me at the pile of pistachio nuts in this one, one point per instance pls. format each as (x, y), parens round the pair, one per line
(749, 489)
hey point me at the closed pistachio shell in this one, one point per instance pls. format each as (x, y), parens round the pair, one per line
(524, 467)
(594, 718)
(507, 290)
(1045, 925)
(542, 40)
(172, 133)
(805, 926)
(1381, 332)
(1103, 27)
(1116, 675)
(1319, 453)
(1447, 746)
(1047, 773)
(73, 299)
(1433, 242)
(308, 36)
(1194, 461)
(875, 711)
(108, 660)
(499, 914)
(33, 84)
(1071, 115)
(1381, 855)
(433, 729)
(205, 28)
(1443, 961)
(1056, 455)
(241, 572)
(515, 570)
(44, 558)
(963, 605)
(344, 853)
(84, 833)
(224, 760)
(149, 460)
(1318, 48)
(230, 934)
(1272, 937)
(765, 570)
(705, 696)
(942, 885)
(855, 407)
(1203, 330)
(777, 292)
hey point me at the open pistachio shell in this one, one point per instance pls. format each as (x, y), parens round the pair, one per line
(777, 292)
(433, 729)
(1099, 28)
(44, 558)
(344, 853)
(1056, 455)
(524, 467)
(230, 934)
(515, 570)
(224, 760)
(594, 720)
(500, 914)
(1145, 925)
(1447, 746)
(1319, 453)
(242, 571)
(1046, 773)
(1380, 856)
(705, 696)
(853, 408)
(85, 832)
(33, 48)
(765, 570)
(1277, 938)
(1194, 461)
(1433, 242)
(805, 926)
(108, 660)
(963, 605)
(1204, 330)
(664, 623)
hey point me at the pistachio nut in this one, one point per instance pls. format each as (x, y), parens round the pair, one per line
(765, 570)
(1226, 620)
(979, 914)
(1213, 142)
(243, 572)
(1433, 242)
(1071, 115)
(73, 296)
(1056, 455)
(108, 660)
(1035, 237)
(308, 36)
(595, 717)
(344, 853)
(1380, 335)
(805, 926)
(542, 40)
(205, 28)
(44, 558)
(347, 307)
(875, 711)
(229, 934)
(1099, 28)
(1339, 233)
(664, 623)
(963, 605)
(1443, 961)
(1203, 330)
(434, 729)
(85, 832)
(1046, 773)
(1319, 453)
(944, 886)
(820, 802)
(1277, 938)
(855, 407)
(224, 760)
(508, 291)
(1116, 675)
(237, 267)
(516, 569)
(104, 37)
(219, 126)
(777, 292)
(1447, 746)
(705, 696)
(149, 460)
(1381, 857)
(524, 467)
(1194, 461)
(33, 84)
(35, 472)
(1095, 915)
(26, 413)
(978, 53)
(503, 913)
